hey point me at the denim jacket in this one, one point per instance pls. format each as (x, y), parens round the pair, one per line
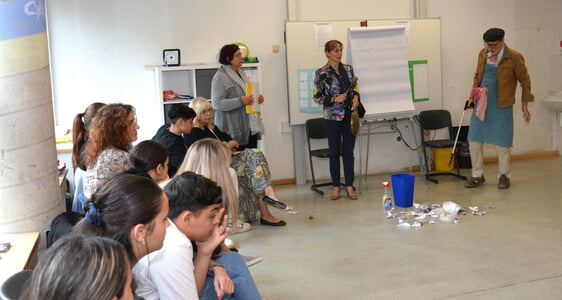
(326, 86)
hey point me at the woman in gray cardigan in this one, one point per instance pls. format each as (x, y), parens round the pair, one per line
(228, 95)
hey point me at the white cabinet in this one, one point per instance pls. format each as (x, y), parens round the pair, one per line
(194, 81)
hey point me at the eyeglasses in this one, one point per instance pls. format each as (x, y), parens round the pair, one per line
(207, 111)
(492, 45)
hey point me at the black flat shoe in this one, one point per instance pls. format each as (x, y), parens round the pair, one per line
(274, 203)
(280, 223)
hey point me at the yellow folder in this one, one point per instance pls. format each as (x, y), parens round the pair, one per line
(252, 108)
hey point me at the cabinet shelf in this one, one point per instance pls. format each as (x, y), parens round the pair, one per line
(194, 80)
(176, 101)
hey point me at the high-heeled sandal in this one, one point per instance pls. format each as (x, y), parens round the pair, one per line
(351, 196)
(334, 195)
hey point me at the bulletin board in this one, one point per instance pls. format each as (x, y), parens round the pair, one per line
(305, 52)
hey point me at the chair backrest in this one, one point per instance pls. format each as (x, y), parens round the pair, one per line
(61, 225)
(435, 119)
(13, 287)
(316, 128)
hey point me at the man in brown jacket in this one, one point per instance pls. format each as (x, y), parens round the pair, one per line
(498, 70)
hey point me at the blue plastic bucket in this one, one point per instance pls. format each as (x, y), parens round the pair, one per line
(403, 189)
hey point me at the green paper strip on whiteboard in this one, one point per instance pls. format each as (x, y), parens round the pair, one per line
(419, 80)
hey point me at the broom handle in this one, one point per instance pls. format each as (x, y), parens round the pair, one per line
(459, 128)
(458, 132)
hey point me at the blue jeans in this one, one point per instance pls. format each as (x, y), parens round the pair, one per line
(340, 132)
(78, 206)
(235, 266)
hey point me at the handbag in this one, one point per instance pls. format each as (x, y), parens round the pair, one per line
(170, 95)
(361, 110)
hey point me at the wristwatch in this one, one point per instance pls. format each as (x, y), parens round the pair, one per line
(211, 270)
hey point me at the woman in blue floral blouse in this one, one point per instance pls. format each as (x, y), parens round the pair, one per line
(334, 90)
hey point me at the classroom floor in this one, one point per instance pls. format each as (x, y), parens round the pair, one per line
(348, 249)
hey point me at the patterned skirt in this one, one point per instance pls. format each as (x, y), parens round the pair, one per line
(253, 175)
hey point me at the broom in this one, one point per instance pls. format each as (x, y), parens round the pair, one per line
(459, 131)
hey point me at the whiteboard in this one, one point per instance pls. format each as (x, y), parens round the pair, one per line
(380, 58)
(305, 53)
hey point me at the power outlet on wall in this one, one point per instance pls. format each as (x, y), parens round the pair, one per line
(285, 128)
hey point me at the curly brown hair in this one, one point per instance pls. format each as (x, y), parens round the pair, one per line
(108, 130)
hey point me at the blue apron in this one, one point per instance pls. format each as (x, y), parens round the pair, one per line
(497, 127)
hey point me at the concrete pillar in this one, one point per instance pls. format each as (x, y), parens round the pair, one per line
(29, 188)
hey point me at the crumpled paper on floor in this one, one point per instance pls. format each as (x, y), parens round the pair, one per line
(420, 214)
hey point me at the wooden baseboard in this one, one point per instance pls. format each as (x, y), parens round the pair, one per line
(513, 157)
(417, 168)
(284, 181)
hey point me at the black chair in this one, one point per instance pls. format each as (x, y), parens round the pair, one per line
(316, 129)
(432, 120)
(13, 287)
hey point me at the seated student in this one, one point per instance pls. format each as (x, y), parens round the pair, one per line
(78, 267)
(80, 127)
(170, 135)
(184, 267)
(113, 129)
(211, 159)
(252, 169)
(130, 209)
(150, 159)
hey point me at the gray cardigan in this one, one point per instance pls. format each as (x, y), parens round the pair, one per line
(230, 113)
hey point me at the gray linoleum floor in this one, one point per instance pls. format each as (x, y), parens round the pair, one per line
(348, 249)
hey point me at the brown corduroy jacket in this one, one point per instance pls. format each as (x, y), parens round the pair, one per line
(511, 69)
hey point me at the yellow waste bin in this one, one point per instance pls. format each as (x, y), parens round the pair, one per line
(442, 159)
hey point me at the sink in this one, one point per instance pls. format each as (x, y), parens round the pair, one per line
(554, 101)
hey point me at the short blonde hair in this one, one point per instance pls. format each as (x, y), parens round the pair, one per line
(199, 105)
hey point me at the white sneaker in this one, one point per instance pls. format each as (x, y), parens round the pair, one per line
(241, 227)
(252, 260)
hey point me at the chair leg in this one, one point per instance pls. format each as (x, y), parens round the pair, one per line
(315, 189)
(427, 175)
(314, 186)
(458, 168)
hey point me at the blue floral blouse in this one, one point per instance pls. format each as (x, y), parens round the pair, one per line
(328, 84)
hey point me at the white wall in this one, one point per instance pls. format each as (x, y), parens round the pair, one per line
(322, 10)
(99, 51)
(534, 29)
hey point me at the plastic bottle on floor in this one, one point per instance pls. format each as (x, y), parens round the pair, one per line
(386, 198)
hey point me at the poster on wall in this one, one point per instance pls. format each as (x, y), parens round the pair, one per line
(305, 90)
(322, 34)
(419, 80)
